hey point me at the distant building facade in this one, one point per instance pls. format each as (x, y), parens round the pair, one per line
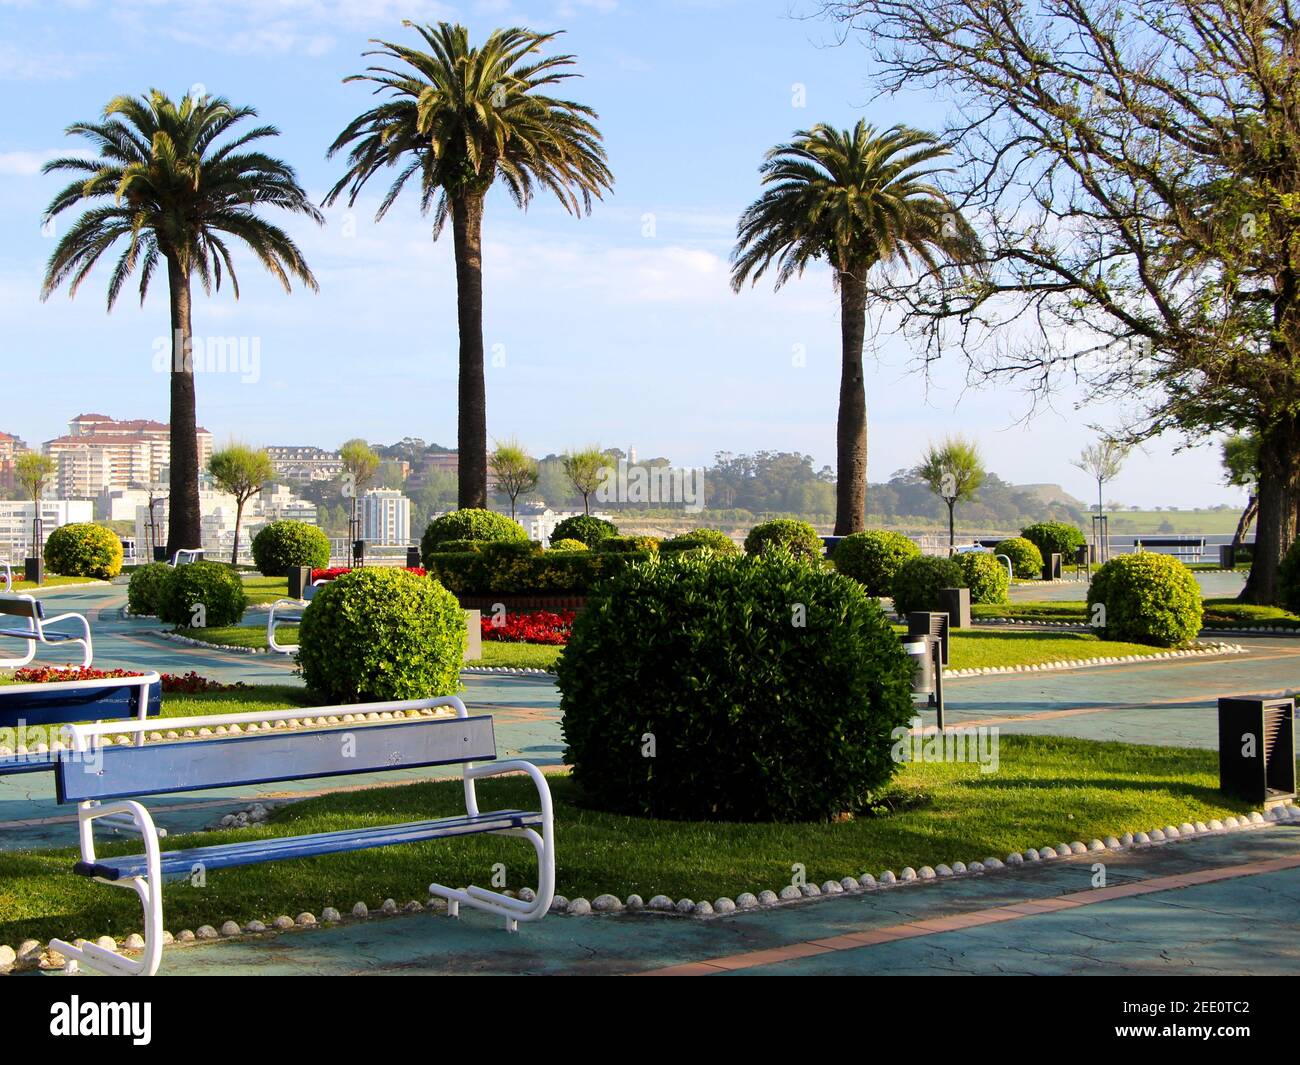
(385, 517)
(16, 522)
(100, 453)
(302, 465)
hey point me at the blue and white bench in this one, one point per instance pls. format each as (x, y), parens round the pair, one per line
(186, 555)
(118, 777)
(34, 631)
(288, 612)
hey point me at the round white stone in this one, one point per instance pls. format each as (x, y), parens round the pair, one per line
(206, 932)
(606, 903)
(704, 908)
(360, 910)
(746, 900)
(660, 903)
(579, 907)
(724, 905)
(283, 922)
(635, 902)
(230, 928)
(766, 897)
(685, 906)
(888, 877)
(943, 870)
(790, 892)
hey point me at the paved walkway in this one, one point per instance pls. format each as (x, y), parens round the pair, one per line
(1222, 905)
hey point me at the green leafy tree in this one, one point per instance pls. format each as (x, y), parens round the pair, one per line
(240, 471)
(515, 470)
(166, 185)
(360, 465)
(1241, 467)
(583, 469)
(954, 470)
(33, 471)
(856, 199)
(459, 118)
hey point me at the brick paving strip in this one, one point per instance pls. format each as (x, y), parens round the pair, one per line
(971, 919)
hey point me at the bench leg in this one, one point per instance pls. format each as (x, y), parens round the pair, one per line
(18, 663)
(148, 889)
(513, 910)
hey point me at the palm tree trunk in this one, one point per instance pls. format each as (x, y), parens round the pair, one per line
(467, 235)
(1278, 493)
(184, 525)
(851, 427)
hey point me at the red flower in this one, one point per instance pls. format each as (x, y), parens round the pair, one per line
(541, 626)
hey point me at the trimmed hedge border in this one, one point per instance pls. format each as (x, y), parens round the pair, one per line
(32, 954)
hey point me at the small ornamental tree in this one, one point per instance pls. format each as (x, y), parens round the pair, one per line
(240, 471)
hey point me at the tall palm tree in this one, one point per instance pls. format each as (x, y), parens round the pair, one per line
(461, 117)
(854, 198)
(163, 184)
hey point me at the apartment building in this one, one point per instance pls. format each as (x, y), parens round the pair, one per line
(385, 517)
(101, 453)
(302, 465)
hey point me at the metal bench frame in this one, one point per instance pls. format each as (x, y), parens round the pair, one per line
(190, 554)
(278, 617)
(9, 576)
(32, 611)
(149, 887)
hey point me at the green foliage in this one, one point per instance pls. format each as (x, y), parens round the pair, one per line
(873, 558)
(569, 545)
(1288, 579)
(628, 543)
(83, 549)
(1147, 598)
(985, 576)
(380, 634)
(144, 590)
(217, 587)
(919, 581)
(585, 528)
(797, 537)
(701, 539)
(491, 571)
(1054, 537)
(284, 544)
(759, 710)
(32, 471)
(1026, 559)
(472, 523)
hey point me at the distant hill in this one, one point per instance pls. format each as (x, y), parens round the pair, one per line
(1048, 494)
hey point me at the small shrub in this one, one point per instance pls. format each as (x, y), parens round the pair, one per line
(144, 589)
(380, 634)
(213, 585)
(798, 537)
(1145, 598)
(1288, 579)
(919, 581)
(569, 545)
(472, 523)
(1026, 559)
(1054, 537)
(624, 544)
(985, 576)
(280, 546)
(873, 558)
(584, 527)
(757, 714)
(84, 550)
(701, 539)
(495, 572)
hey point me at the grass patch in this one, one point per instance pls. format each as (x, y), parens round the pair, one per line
(502, 654)
(1228, 613)
(1048, 790)
(52, 581)
(262, 590)
(242, 635)
(1047, 610)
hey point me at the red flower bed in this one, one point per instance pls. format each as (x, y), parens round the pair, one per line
(338, 571)
(541, 626)
(181, 684)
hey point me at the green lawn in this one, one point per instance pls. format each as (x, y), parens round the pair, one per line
(50, 581)
(1047, 791)
(262, 590)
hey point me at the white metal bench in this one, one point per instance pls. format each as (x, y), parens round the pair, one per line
(32, 611)
(9, 577)
(186, 555)
(110, 780)
(288, 612)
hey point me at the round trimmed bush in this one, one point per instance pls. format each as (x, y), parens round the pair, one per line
(985, 576)
(280, 546)
(472, 523)
(144, 589)
(873, 558)
(1147, 598)
(797, 537)
(213, 585)
(590, 530)
(1054, 537)
(919, 581)
(771, 690)
(569, 545)
(83, 549)
(379, 634)
(1288, 578)
(714, 540)
(1026, 559)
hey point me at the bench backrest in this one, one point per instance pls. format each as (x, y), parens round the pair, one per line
(22, 608)
(262, 758)
(66, 702)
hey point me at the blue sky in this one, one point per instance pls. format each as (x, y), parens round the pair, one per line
(619, 328)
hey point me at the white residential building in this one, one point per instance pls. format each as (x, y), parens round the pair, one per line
(385, 517)
(100, 453)
(16, 522)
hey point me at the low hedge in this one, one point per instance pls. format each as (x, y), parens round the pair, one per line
(213, 585)
(83, 549)
(565, 545)
(985, 576)
(714, 540)
(584, 527)
(1054, 537)
(472, 523)
(1026, 559)
(628, 543)
(144, 590)
(1145, 598)
(552, 572)
(919, 581)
